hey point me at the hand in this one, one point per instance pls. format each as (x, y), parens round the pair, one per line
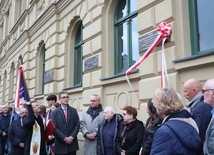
(123, 152)
(21, 144)
(23, 102)
(140, 153)
(4, 133)
(68, 140)
(91, 136)
(50, 137)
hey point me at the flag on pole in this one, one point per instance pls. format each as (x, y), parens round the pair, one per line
(21, 89)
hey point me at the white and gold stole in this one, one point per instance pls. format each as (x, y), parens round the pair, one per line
(35, 140)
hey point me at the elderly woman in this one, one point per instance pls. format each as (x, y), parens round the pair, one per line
(131, 135)
(179, 132)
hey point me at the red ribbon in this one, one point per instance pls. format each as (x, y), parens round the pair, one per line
(164, 30)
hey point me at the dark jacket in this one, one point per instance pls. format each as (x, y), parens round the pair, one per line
(130, 138)
(200, 112)
(28, 122)
(118, 121)
(16, 136)
(4, 123)
(176, 136)
(149, 134)
(64, 129)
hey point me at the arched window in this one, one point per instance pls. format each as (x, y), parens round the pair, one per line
(40, 68)
(4, 86)
(12, 78)
(78, 57)
(126, 35)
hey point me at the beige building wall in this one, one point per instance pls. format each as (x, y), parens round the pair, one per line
(51, 23)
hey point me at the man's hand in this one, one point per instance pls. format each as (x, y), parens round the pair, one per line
(21, 144)
(4, 133)
(91, 136)
(68, 140)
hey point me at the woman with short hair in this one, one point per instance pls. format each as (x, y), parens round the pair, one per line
(131, 134)
(179, 132)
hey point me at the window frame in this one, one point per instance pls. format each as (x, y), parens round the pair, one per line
(78, 45)
(194, 31)
(119, 22)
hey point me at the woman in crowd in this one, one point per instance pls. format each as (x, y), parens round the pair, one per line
(50, 138)
(179, 132)
(152, 124)
(131, 135)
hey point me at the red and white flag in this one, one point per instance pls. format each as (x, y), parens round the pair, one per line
(21, 89)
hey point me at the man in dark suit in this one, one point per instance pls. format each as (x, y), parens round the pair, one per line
(66, 121)
(16, 133)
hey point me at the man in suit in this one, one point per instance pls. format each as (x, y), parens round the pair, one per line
(199, 110)
(16, 133)
(66, 121)
(208, 92)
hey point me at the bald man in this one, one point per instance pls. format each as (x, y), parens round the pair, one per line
(199, 110)
(106, 136)
(208, 92)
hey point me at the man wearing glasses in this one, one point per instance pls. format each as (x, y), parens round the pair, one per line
(67, 124)
(91, 119)
(208, 92)
(199, 110)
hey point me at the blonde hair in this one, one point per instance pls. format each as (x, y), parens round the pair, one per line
(167, 101)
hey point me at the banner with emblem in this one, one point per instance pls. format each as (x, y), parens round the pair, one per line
(21, 89)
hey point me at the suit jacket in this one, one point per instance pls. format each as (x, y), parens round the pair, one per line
(64, 129)
(16, 135)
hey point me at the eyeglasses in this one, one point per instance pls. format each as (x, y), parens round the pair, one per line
(65, 97)
(93, 100)
(204, 90)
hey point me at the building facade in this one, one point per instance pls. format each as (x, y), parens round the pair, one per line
(85, 47)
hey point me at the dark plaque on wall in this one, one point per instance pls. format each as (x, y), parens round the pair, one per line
(91, 63)
(145, 41)
(48, 76)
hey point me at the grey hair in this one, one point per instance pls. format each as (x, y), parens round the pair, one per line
(98, 97)
(110, 109)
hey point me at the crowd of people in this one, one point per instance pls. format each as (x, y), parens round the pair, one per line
(170, 128)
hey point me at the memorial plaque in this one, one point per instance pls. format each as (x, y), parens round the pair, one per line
(48, 76)
(145, 41)
(91, 63)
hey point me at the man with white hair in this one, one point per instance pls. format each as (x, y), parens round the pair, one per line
(208, 92)
(107, 133)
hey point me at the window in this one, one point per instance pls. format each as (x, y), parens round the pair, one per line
(11, 83)
(78, 57)
(201, 25)
(40, 85)
(126, 35)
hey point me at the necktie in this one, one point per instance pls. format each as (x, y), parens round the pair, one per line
(66, 115)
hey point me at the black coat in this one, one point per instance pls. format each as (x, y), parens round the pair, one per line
(16, 136)
(131, 140)
(100, 146)
(149, 134)
(28, 122)
(4, 123)
(64, 129)
(201, 113)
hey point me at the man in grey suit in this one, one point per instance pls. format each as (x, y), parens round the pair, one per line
(66, 121)
(208, 92)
